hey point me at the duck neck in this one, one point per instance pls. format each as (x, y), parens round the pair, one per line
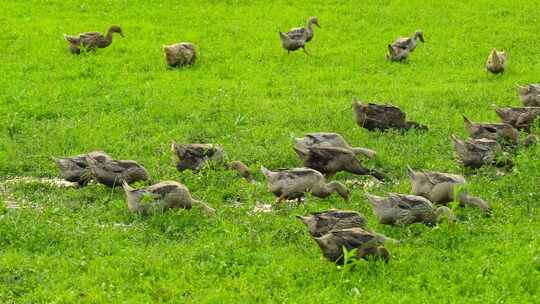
(209, 210)
(133, 202)
(337, 187)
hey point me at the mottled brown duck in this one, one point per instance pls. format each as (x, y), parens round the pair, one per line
(530, 95)
(496, 62)
(397, 54)
(92, 40)
(195, 156)
(320, 223)
(180, 54)
(293, 43)
(160, 197)
(294, 183)
(113, 172)
(330, 160)
(382, 117)
(401, 209)
(521, 118)
(475, 153)
(440, 188)
(366, 243)
(332, 140)
(73, 169)
(307, 32)
(409, 43)
(501, 132)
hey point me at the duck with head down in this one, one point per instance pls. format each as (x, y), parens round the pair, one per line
(164, 195)
(366, 244)
(530, 95)
(329, 160)
(475, 153)
(331, 140)
(378, 117)
(296, 182)
(500, 132)
(402, 209)
(74, 169)
(180, 54)
(521, 118)
(440, 188)
(92, 40)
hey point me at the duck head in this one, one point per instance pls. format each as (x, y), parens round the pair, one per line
(116, 29)
(314, 20)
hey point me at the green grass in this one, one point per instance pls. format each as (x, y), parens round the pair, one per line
(247, 94)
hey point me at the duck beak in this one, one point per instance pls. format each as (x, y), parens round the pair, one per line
(317, 24)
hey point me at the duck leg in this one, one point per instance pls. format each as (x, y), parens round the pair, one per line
(304, 48)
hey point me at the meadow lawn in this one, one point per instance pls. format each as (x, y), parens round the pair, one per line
(247, 94)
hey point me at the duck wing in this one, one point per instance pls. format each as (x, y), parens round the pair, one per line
(402, 42)
(90, 38)
(297, 33)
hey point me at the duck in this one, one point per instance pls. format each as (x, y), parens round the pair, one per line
(332, 140)
(520, 118)
(397, 54)
(92, 40)
(377, 117)
(367, 244)
(496, 62)
(405, 209)
(113, 172)
(330, 160)
(501, 132)
(195, 156)
(293, 43)
(529, 95)
(320, 223)
(288, 184)
(163, 195)
(409, 43)
(307, 32)
(475, 153)
(180, 54)
(440, 188)
(72, 169)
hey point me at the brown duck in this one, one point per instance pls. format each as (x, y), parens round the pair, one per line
(307, 31)
(366, 243)
(530, 95)
(500, 132)
(401, 209)
(113, 172)
(475, 153)
(332, 140)
(409, 43)
(382, 117)
(180, 54)
(162, 196)
(329, 160)
(496, 62)
(521, 118)
(320, 223)
(440, 188)
(73, 169)
(195, 156)
(92, 40)
(294, 183)
(293, 43)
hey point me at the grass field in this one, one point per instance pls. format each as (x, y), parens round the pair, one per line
(246, 93)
